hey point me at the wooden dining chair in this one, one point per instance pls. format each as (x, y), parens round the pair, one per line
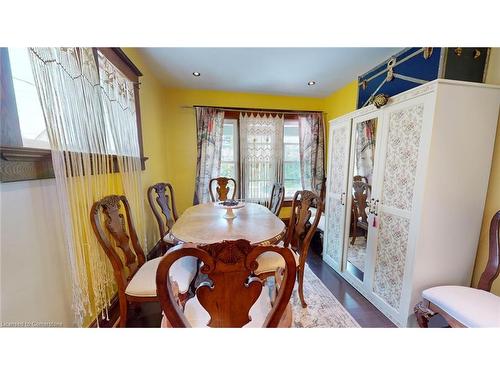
(361, 191)
(134, 276)
(277, 197)
(162, 203)
(298, 238)
(231, 296)
(222, 190)
(320, 189)
(462, 306)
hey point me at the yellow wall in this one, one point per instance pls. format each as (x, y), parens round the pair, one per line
(154, 130)
(339, 103)
(181, 129)
(493, 197)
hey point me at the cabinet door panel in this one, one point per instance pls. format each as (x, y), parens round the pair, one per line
(340, 135)
(403, 142)
(391, 257)
(363, 167)
(403, 125)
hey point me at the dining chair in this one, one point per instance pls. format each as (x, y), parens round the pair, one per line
(134, 276)
(221, 192)
(462, 306)
(277, 197)
(298, 238)
(231, 295)
(164, 211)
(361, 191)
(320, 189)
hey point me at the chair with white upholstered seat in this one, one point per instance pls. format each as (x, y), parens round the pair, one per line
(463, 306)
(298, 238)
(135, 278)
(164, 211)
(321, 190)
(321, 222)
(231, 295)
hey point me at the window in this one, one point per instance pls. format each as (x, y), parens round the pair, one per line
(23, 124)
(28, 116)
(260, 171)
(291, 158)
(229, 153)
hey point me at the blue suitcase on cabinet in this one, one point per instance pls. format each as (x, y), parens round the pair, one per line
(415, 66)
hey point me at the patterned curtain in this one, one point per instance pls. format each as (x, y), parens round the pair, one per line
(365, 149)
(312, 140)
(89, 110)
(209, 128)
(261, 153)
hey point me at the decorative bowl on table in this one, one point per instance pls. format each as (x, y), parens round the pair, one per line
(229, 205)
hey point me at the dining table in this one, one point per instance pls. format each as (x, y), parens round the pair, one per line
(206, 223)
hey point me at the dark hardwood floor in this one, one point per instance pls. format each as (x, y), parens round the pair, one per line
(358, 306)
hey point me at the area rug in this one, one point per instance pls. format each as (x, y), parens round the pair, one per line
(323, 309)
(356, 253)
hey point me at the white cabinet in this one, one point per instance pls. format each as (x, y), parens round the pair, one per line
(406, 189)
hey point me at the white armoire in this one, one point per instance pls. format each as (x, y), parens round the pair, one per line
(421, 165)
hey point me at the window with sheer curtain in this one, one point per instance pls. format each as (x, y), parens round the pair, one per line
(261, 148)
(292, 174)
(261, 153)
(90, 117)
(229, 153)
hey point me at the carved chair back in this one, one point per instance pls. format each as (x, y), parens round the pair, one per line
(222, 188)
(116, 237)
(232, 288)
(322, 193)
(361, 191)
(300, 231)
(320, 190)
(163, 206)
(277, 197)
(360, 178)
(492, 269)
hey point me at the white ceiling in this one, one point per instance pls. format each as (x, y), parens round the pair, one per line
(283, 71)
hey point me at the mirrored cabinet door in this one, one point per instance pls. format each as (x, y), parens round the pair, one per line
(364, 146)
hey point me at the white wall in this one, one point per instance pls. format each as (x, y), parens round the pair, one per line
(35, 279)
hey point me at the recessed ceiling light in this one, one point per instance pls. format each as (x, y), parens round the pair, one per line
(311, 83)
(196, 74)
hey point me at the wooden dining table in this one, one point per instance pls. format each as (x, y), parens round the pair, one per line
(205, 223)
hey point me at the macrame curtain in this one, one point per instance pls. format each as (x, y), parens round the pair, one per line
(209, 130)
(89, 110)
(312, 140)
(261, 153)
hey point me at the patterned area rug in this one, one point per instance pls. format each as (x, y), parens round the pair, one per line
(323, 309)
(356, 253)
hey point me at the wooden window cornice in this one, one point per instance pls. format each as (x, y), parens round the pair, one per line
(24, 163)
(18, 163)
